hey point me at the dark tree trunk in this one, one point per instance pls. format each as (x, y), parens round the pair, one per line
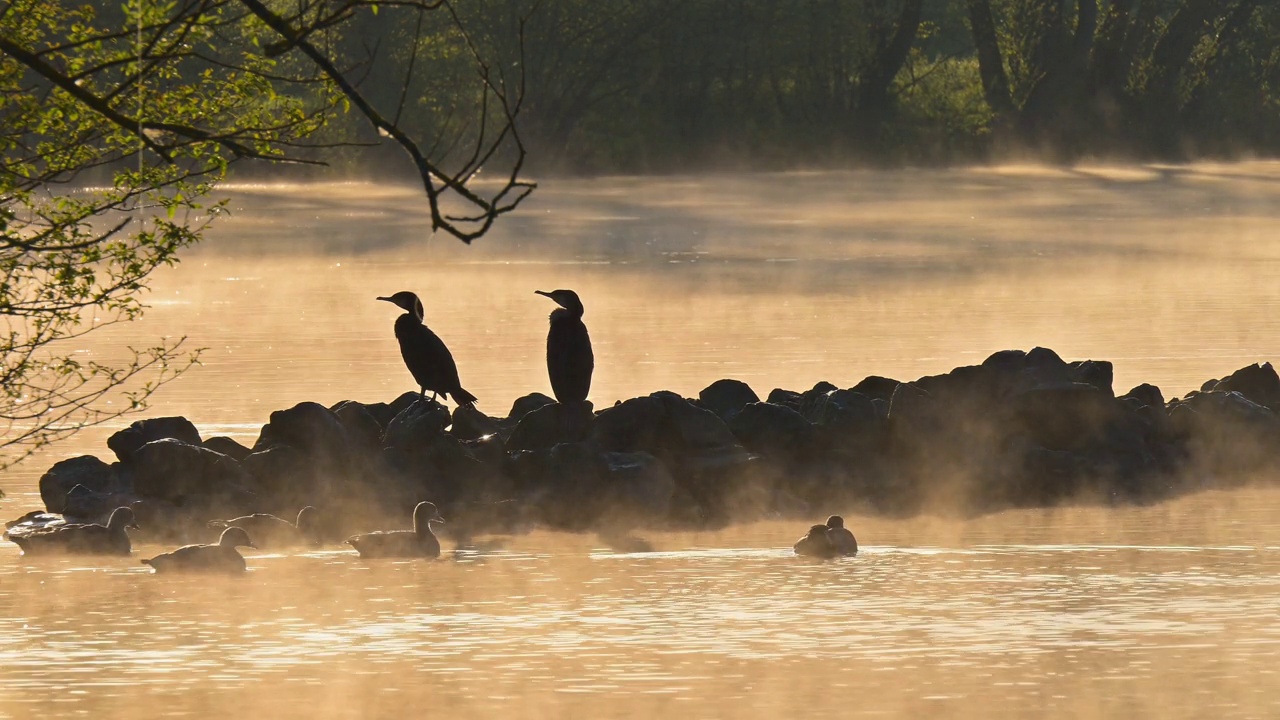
(995, 82)
(872, 102)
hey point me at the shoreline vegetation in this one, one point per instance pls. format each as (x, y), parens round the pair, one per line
(1022, 429)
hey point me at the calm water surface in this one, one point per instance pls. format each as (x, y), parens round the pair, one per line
(1168, 611)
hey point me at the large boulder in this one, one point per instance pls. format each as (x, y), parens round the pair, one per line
(417, 425)
(726, 398)
(86, 471)
(551, 425)
(525, 405)
(471, 424)
(1258, 383)
(775, 431)
(174, 471)
(227, 446)
(127, 441)
(1226, 434)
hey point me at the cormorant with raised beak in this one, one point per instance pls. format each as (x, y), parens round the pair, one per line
(425, 353)
(569, 358)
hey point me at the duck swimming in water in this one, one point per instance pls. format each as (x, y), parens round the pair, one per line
(220, 557)
(77, 538)
(269, 531)
(816, 544)
(418, 542)
(841, 539)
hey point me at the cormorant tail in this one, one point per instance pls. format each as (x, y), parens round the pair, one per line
(462, 397)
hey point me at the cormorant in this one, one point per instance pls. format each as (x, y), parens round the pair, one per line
(424, 352)
(816, 544)
(569, 358)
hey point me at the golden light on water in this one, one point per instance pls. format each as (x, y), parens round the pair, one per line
(1173, 273)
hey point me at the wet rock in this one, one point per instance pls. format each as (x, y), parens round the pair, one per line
(417, 425)
(1067, 417)
(127, 441)
(551, 425)
(227, 446)
(85, 505)
(876, 387)
(726, 397)
(283, 476)
(307, 426)
(562, 484)
(775, 431)
(1226, 433)
(789, 398)
(1209, 385)
(361, 424)
(86, 471)
(174, 471)
(527, 404)
(1258, 382)
(1146, 395)
(638, 490)
(470, 424)
(814, 399)
(1097, 373)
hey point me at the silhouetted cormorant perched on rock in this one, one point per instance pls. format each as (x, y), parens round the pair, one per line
(418, 542)
(424, 352)
(569, 358)
(221, 557)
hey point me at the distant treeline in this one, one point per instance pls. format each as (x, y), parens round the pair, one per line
(656, 85)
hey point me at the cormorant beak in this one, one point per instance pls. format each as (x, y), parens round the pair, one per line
(543, 293)
(255, 547)
(437, 519)
(132, 526)
(387, 299)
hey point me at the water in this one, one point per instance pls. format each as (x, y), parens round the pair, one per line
(1164, 611)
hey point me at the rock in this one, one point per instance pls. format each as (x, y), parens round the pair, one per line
(1146, 395)
(551, 425)
(812, 400)
(127, 441)
(361, 424)
(1097, 373)
(174, 471)
(789, 398)
(1069, 417)
(471, 424)
(307, 426)
(1209, 385)
(638, 490)
(1259, 383)
(525, 405)
(86, 471)
(563, 483)
(417, 425)
(1226, 434)
(876, 387)
(227, 446)
(726, 397)
(85, 505)
(775, 431)
(284, 477)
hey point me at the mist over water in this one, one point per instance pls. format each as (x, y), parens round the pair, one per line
(1171, 272)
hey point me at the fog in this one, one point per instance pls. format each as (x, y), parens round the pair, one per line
(779, 280)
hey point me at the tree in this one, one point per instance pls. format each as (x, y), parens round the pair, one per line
(118, 124)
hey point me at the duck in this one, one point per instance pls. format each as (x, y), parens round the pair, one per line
(840, 536)
(271, 531)
(418, 542)
(817, 543)
(219, 557)
(77, 538)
